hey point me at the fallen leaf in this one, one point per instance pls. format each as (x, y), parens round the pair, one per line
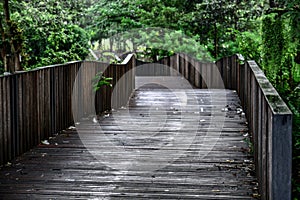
(45, 142)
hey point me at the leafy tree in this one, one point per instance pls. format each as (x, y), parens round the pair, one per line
(12, 40)
(112, 17)
(216, 21)
(281, 56)
(52, 32)
(273, 45)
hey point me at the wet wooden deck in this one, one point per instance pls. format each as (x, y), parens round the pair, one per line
(168, 144)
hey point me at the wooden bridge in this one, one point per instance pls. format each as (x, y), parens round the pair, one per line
(187, 130)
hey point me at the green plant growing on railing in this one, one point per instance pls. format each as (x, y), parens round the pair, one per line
(250, 145)
(100, 80)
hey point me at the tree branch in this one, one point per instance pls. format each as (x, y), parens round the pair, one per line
(280, 12)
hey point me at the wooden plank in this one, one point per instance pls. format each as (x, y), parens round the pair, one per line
(204, 76)
(253, 114)
(60, 100)
(47, 103)
(177, 61)
(280, 159)
(186, 73)
(2, 117)
(34, 97)
(224, 71)
(42, 99)
(9, 119)
(173, 65)
(234, 76)
(20, 99)
(264, 149)
(192, 72)
(71, 78)
(39, 111)
(55, 105)
(211, 75)
(52, 121)
(27, 106)
(62, 93)
(181, 64)
(6, 118)
(198, 78)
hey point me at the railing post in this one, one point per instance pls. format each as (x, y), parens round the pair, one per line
(2, 153)
(270, 122)
(280, 159)
(14, 115)
(52, 101)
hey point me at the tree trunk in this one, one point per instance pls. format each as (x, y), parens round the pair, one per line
(215, 40)
(4, 47)
(6, 10)
(10, 50)
(18, 66)
(5, 60)
(11, 63)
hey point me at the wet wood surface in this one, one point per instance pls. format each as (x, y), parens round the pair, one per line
(167, 144)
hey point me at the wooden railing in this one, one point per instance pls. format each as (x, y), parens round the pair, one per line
(37, 104)
(200, 74)
(270, 123)
(270, 120)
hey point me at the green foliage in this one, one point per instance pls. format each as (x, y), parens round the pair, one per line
(1, 68)
(280, 45)
(111, 17)
(99, 81)
(273, 45)
(247, 43)
(12, 39)
(278, 53)
(250, 145)
(160, 43)
(69, 43)
(214, 21)
(51, 32)
(206, 20)
(152, 44)
(294, 104)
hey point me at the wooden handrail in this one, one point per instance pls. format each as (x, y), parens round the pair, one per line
(270, 123)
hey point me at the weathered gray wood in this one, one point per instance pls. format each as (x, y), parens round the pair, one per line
(69, 170)
(8, 120)
(37, 104)
(255, 93)
(269, 118)
(281, 157)
(2, 117)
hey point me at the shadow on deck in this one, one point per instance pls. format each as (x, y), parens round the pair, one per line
(169, 143)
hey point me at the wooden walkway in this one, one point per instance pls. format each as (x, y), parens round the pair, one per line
(167, 144)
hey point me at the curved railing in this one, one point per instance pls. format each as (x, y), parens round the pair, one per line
(36, 104)
(270, 120)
